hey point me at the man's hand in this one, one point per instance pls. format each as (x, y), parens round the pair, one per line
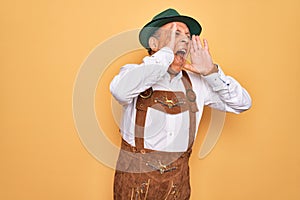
(201, 61)
(171, 36)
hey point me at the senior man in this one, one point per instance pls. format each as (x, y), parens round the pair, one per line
(163, 99)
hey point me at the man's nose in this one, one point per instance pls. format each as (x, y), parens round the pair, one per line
(185, 39)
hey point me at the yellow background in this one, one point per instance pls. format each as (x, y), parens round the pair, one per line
(44, 43)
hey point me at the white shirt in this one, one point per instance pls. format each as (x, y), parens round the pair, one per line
(163, 131)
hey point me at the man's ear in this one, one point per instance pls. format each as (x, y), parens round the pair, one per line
(153, 43)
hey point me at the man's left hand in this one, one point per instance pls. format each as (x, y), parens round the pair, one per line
(201, 61)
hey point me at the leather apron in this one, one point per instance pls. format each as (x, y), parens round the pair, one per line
(145, 174)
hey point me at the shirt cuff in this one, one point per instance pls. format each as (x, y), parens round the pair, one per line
(164, 56)
(217, 81)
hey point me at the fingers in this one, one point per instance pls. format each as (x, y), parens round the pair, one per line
(205, 42)
(194, 44)
(198, 41)
(172, 35)
(173, 31)
(174, 27)
(197, 45)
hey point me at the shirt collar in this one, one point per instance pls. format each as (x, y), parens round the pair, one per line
(178, 76)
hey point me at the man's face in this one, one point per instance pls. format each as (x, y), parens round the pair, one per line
(182, 41)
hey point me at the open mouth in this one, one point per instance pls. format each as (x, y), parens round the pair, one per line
(181, 52)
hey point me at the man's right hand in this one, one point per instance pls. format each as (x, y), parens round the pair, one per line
(171, 37)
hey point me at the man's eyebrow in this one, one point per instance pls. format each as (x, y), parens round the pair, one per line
(187, 33)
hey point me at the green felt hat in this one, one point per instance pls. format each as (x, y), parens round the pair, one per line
(169, 15)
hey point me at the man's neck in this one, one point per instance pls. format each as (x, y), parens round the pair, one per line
(172, 73)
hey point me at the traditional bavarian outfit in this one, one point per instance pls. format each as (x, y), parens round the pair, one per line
(147, 174)
(146, 170)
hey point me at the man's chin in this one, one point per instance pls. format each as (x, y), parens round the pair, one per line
(179, 59)
(175, 68)
(178, 63)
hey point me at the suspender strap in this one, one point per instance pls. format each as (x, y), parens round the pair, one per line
(191, 96)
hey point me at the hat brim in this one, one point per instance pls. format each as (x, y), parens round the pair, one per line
(194, 27)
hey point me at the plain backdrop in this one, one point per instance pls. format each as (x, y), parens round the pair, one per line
(44, 43)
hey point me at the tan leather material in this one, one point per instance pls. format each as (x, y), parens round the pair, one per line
(165, 101)
(191, 96)
(153, 185)
(131, 160)
(146, 174)
(147, 182)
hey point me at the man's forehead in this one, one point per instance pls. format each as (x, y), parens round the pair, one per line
(180, 25)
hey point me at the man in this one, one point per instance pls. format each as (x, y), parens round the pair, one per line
(162, 106)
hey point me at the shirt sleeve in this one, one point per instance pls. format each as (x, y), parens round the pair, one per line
(225, 93)
(134, 79)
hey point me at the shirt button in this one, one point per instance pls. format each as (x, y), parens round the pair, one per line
(171, 133)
